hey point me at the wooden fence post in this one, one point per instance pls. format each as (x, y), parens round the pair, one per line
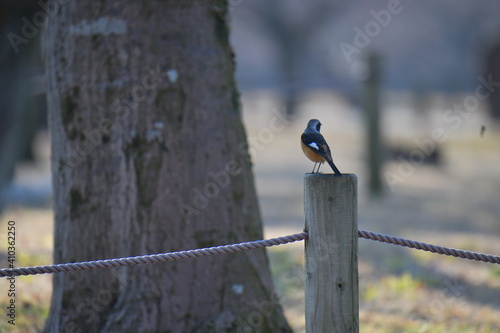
(331, 257)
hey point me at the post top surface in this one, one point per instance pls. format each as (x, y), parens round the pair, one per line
(344, 175)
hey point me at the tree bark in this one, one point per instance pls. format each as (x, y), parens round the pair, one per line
(150, 155)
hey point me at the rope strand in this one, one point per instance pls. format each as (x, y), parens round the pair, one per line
(180, 255)
(149, 259)
(429, 247)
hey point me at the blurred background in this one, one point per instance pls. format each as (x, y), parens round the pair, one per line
(409, 96)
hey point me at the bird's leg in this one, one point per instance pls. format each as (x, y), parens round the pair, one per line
(314, 167)
(319, 166)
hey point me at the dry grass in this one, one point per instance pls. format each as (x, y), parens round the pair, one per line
(456, 204)
(34, 243)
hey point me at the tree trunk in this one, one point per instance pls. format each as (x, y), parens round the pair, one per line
(150, 156)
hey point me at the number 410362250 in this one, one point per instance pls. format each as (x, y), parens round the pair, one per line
(11, 240)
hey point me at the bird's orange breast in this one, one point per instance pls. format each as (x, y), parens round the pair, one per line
(310, 154)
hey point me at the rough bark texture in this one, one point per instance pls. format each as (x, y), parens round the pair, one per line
(150, 156)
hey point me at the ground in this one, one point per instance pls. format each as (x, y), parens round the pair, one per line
(455, 203)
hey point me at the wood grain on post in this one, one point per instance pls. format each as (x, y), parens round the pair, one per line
(331, 253)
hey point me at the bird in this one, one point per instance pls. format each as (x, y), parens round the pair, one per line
(315, 147)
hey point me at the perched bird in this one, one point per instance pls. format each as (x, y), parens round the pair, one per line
(315, 147)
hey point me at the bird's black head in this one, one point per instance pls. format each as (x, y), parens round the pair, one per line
(314, 124)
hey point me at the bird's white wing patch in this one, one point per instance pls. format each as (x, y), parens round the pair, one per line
(314, 145)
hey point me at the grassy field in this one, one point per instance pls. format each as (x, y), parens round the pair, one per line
(455, 203)
(34, 243)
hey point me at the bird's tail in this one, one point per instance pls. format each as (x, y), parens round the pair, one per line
(334, 168)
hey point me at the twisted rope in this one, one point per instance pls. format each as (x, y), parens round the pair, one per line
(173, 256)
(429, 247)
(149, 259)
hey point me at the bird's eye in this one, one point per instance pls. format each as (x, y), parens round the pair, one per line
(318, 127)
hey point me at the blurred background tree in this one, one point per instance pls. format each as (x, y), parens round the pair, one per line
(291, 27)
(22, 103)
